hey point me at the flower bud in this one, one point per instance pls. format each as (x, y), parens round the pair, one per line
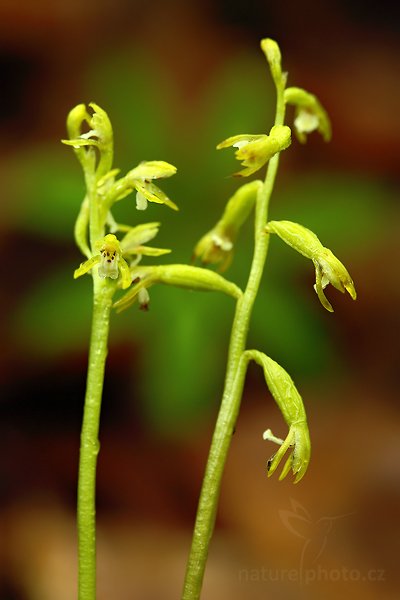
(76, 117)
(273, 56)
(100, 136)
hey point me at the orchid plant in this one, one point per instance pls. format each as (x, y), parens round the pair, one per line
(113, 252)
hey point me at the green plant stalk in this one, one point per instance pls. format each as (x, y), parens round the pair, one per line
(102, 302)
(234, 381)
(103, 291)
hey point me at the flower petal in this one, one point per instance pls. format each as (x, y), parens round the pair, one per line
(239, 139)
(136, 236)
(149, 251)
(318, 287)
(125, 271)
(87, 265)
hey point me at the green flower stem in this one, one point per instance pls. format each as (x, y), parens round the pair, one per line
(234, 381)
(103, 291)
(102, 302)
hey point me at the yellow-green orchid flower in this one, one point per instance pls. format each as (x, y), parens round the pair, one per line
(110, 261)
(310, 115)
(216, 246)
(287, 397)
(254, 151)
(141, 179)
(328, 268)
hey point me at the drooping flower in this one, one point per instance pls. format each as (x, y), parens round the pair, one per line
(310, 115)
(328, 268)
(289, 401)
(216, 246)
(254, 151)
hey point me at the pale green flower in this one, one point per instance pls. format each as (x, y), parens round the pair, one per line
(217, 245)
(328, 268)
(287, 397)
(110, 261)
(310, 115)
(141, 179)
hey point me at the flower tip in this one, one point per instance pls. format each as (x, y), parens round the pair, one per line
(351, 290)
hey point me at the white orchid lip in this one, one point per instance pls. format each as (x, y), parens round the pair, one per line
(141, 201)
(89, 134)
(306, 122)
(223, 243)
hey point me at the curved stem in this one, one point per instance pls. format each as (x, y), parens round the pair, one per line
(234, 381)
(89, 449)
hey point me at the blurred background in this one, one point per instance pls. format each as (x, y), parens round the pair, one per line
(176, 78)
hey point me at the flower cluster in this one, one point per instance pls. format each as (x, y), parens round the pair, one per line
(94, 150)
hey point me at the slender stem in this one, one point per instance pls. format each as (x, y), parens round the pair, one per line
(234, 381)
(89, 440)
(103, 291)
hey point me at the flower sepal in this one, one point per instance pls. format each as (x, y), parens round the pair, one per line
(273, 55)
